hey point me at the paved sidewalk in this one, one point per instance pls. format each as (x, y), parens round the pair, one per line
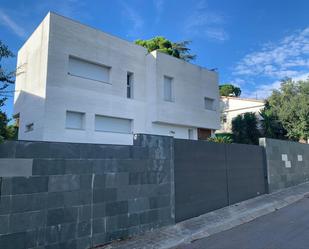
(213, 222)
(286, 228)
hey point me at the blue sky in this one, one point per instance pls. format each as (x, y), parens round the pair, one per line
(253, 44)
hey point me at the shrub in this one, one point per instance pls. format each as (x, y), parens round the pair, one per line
(221, 139)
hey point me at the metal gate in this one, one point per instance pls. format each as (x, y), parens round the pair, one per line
(210, 176)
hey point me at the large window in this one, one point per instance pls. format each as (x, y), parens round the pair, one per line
(168, 88)
(88, 70)
(75, 120)
(209, 103)
(130, 85)
(111, 124)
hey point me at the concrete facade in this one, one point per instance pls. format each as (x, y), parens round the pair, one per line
(46, 89)
(287, 163)
(231, 107)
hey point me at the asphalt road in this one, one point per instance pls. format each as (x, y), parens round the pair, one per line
(287, 228)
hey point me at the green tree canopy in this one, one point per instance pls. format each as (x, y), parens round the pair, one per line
(272, 127)
(177, 49)
(229, 90)
(290, 106)
(6, 78)
(245, 129)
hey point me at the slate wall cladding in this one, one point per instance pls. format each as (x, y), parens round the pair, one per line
(209, 175)
(82, 195)
(287, 163)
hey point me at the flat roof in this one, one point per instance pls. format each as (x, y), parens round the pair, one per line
(244, 99)
(129, 42)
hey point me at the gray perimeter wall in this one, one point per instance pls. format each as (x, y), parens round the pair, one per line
(76, 196)
(209, 175)
(63, 195)
(287, 163)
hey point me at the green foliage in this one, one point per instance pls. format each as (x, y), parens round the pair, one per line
(229, 90)
(177, 49)
(272, 127)
(7, 132)
(221, 139)
(245, 129)
(6, 78)
(225, 134)
(290, 107)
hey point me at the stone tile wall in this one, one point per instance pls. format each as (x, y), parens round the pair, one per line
(83, 195)
(287, 163)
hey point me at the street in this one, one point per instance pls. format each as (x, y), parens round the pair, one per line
(287, 228)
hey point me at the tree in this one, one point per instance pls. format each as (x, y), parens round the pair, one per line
(245, 129)
(229, 90)
(177, 49)
(271, 126)
(6, 78)
(290, 105)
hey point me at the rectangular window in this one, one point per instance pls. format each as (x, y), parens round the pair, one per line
(190, 134)
(209, 103)
(111, 124)
(88, 70)
(130, 85)
(168, 88)
(75, 120)
(224, 118)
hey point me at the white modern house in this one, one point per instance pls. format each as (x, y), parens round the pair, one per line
(231, 107)
(79, 84)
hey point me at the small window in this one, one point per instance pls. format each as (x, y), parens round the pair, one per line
(111, 124)
(190, 134)
(168, 88)
(224, 118)
(130, 85)
(88, 70)
(29, 127)
(209, 103)
(75, 120)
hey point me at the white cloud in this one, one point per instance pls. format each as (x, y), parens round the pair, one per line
(158, 5)
(288, 58)
(134, 18)
(217, 34)
(9, 23)
(265, 90)
(205, 22)
(262, 92)
(238, 82)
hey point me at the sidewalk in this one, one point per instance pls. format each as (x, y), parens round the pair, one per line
(213, 222)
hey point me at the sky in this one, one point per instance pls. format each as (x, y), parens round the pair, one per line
(252, 44)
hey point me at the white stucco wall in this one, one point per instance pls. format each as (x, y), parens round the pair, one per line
(30, 85)
(61, 92)
(231, 107)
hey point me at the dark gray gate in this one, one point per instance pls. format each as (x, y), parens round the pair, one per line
(209, 175)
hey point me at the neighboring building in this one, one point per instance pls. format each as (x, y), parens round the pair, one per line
(78, 84)
(231, 107)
